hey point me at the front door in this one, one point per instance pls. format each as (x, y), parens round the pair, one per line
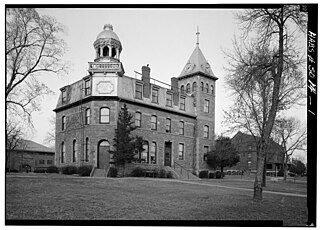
(167, 153)
(103, 154)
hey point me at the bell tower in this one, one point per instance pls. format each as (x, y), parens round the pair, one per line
(198, 80)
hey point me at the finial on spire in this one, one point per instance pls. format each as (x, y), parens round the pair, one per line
(197, 35)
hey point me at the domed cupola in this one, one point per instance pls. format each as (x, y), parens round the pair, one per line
(107, 45)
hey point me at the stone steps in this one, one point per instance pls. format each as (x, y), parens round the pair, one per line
(99, 173)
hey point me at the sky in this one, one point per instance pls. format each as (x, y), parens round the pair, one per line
(162, 38)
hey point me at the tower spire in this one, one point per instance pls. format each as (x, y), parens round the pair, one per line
(198, 33)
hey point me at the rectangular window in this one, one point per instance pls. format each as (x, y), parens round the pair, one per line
(64, 96)
(137, 120)
(181, 151)
(138, 91)
(41, 162)
(181, 128)
(87, 117)
(249, 155)
(154, 96)
(104, 115)
(87, 149)
(87, 87)
(49, 162)
(169, 99)
(182, 103)
(154, 122)
(206, 131)
(168, 125)
(63, 151)
(153, 153)
(74, 151)
(63, 125)
(206, 106)
(205, 152)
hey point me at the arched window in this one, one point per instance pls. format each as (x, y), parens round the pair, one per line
(206, 131)
(188, 88)
(104, 115)
(87, 118)
(74, 151)
(182, 89)
(137, 120)
(207, 88)
(87, 150)
(202, 86)
(211, 88)
(153, 153)
(63, 152)
(153, 122)
(194, 86)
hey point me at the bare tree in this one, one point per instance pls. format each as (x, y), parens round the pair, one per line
(50, 137)
(33, 47)
(262, 75)
(13, 138)
(289, 133)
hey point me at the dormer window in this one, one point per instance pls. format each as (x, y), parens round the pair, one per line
(87, 87)
(169, 99)
(64, 95)
(138, 91)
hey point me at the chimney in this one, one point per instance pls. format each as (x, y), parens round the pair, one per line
(146, 80)
(175, 89)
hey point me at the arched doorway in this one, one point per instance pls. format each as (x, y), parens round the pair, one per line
(103, 154)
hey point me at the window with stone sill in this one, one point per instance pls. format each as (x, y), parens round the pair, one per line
(63, 152)
(104, 115)
(154, 96)
(182, 103)
(181, 128)
(64, 95)
(206, 106)
(87, 87)
(168, 125)
(137, 120)
(153, 122)
(63, 123)
(49, 162)
(205, 153)
(169, 99)
(41, 162)
(181, 151)
(206, 131)
(138, 94)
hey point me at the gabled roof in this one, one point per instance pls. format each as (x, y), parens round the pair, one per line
(31, 146)
(197, 64)
(247, 139)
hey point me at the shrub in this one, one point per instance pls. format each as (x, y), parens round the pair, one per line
(113, 172)
(39, 170)
(11, 170)
(212, 175)
(169, 175)
(161, 173)
(52, 169)
(85, 170)
(280, 173)
(219, 175)
(203, 174)
(137, 172)
(69, 169)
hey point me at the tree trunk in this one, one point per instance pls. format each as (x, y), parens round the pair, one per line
(257, 195)
(264, 175)
(221, 170)
(285, 168)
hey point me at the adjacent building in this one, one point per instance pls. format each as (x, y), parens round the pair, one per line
(177, 120)
(29, 155)
(246, 146)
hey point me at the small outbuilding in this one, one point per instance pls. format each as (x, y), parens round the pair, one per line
(29, 155)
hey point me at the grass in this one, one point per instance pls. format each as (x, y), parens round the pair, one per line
(73, 198)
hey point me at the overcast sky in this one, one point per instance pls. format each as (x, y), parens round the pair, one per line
(162, 38)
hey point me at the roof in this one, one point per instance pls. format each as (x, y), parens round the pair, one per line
(27, 145)
(247, 138)
(108, 33)
(197, 64)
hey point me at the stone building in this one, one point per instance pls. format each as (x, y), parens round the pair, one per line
(29, 155)
(177, 121)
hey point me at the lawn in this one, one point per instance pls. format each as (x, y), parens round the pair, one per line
(73, 198)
